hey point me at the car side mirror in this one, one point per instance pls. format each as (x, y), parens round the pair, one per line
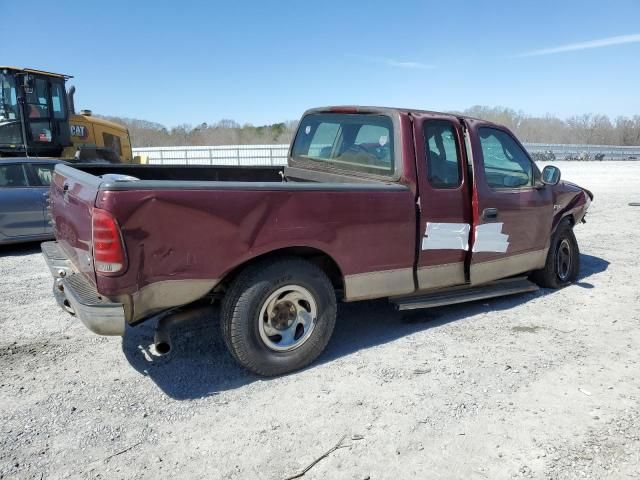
(550, 175)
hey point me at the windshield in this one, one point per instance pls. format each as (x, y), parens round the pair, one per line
(353, 142)
(10, 129)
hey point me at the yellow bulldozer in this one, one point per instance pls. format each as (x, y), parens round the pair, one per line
(38, 118)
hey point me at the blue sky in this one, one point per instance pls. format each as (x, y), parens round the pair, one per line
(264, 62)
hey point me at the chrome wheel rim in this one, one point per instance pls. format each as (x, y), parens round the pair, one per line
(287, 318)
(563, 260)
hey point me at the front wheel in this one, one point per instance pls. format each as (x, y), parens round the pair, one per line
(278, 315)
(563, 260)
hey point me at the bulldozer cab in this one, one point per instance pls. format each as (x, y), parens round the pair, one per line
(34, 118)
(37, 118)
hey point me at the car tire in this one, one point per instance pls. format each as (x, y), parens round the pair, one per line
(278, 315)
(563, 260)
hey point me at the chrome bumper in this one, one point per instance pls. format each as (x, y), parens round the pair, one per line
(77, 296)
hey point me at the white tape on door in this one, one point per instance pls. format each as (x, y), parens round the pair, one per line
(446, 236)
(489, 238)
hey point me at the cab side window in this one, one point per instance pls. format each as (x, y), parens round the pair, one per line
(506, 164)
(12, 176)
(43, 173)
(443, 163)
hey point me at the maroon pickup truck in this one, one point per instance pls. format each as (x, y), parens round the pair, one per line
(423, 208)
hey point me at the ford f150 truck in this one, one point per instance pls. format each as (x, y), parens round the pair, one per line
(419, 207)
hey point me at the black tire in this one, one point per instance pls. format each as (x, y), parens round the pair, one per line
(251, 291)
(563, 260)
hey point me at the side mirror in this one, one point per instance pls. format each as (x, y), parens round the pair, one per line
(550, 175)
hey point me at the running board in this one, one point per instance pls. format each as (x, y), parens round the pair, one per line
(465, 293)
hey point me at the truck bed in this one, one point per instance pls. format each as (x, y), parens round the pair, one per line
(220, 173)
(184, 232)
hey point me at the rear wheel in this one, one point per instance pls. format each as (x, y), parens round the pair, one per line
(278, 315)
(563, 260)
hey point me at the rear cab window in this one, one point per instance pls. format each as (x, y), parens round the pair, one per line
(354, 143)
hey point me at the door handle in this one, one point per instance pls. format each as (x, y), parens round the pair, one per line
(490, 214)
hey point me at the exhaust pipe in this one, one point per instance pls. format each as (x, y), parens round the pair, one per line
(70, 101)
(162, 337)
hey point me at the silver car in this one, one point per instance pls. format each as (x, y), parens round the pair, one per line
(24, 189)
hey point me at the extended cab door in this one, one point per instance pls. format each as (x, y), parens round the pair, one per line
(512, 211)
(444, 202)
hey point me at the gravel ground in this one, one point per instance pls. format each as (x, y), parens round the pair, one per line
(540, 385)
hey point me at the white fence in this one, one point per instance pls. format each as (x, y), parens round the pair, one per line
(277, 154)
(216, 155)
(585, 152)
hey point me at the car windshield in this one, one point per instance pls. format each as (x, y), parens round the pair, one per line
(353, 142)
(10, 130)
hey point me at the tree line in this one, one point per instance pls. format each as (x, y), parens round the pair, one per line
(225, 132)
(592, 129)
(589, 129)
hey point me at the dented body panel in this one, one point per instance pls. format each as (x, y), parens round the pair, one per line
(204, 234)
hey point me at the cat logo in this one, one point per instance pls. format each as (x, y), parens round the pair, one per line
(79, 131)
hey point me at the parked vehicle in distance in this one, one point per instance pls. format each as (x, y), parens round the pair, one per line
(24, 190)
(419, 207)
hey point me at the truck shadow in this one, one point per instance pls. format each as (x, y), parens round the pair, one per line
(20, 249)
(199, 364)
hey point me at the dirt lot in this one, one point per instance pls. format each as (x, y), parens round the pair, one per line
(541, 385)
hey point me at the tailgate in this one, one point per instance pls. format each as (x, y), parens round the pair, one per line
(73, 195)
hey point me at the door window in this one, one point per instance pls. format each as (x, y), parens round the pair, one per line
(37, 104)
(58, 101)
(43, 173)
(12, 176)
(38, 112)
(41, 131)
(443, 164)
(506, 164)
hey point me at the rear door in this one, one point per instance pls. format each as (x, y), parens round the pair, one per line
(40, 175)
(512, 211)
(21, 213)
(445, 201)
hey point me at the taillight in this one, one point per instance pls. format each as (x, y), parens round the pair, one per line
(108, 250)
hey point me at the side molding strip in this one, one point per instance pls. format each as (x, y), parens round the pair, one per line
(438, 276)
(503, 267)
(386, 283)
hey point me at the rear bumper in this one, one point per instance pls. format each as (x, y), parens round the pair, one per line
(78, 297)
